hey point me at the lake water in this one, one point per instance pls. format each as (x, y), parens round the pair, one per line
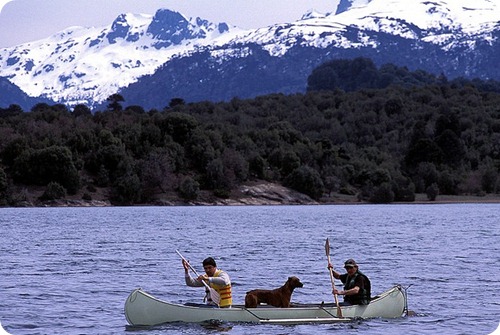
(70, 270)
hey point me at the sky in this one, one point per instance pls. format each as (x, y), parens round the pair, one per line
(29, 20)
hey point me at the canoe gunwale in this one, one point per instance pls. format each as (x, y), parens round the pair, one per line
(143, 309)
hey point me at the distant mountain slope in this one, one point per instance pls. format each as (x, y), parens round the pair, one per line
(168, 55)
(11, 94)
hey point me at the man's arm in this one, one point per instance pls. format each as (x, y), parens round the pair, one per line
(190, 281)
(221, 280)
(351, 291)
(359, 284)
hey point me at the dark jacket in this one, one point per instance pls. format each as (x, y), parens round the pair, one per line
(360, 280)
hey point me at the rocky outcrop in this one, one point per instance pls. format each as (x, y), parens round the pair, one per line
(262, 194)
(273, 194)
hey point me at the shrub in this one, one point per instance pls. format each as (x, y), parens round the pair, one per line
(3, 187)
(222, 193)
(189, 189)
(53, 191)
(382, 194)
(306, 180)
(432, 192)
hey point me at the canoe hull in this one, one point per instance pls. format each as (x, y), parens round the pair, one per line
(142, 309)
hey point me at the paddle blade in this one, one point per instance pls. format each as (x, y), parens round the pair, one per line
(327, 247)
(214, 296)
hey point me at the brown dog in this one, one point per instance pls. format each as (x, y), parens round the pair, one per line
(279, 297)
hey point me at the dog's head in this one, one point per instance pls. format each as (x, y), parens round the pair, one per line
(294, 282)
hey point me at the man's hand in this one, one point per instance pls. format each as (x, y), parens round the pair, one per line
(185, 265)
(203, 277)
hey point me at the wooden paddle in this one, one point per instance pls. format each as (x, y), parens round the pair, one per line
(327, 250)
(213, 294)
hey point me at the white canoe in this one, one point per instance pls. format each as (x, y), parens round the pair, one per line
(142, 309)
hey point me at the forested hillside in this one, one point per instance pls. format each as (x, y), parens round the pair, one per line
(383, 143)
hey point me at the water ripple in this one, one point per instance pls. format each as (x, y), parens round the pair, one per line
(69, 270)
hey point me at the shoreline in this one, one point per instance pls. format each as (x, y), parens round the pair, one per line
(251, 194)
(339, 200)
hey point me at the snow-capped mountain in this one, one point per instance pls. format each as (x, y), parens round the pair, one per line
(451, 38)
(195, 59)
(89, 64)
(345, 5)
(443, 23)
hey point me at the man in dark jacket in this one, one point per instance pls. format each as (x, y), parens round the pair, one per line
(357, 286)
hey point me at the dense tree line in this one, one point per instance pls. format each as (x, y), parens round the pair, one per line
(362, 73)
(382, 144)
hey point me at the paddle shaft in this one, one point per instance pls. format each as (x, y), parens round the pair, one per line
(188, 264)
(327, 249)
(192, 269)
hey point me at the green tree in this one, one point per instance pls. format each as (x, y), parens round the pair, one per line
(157, 173)
(127, 189)
(382, 194)
(235, 166)
(489, 177)
(404, 189)
(257, 166)
(424, 150)
(53, 191)
(52, 164)
(432, 192)
(111, 159)
(451, 147)
(114, 102)
(394, 105)
(176, 102)
(306, 180)
(189, 189)
(3, 187)
(290, 162)
(215, 176)
(179, 125)
(13, 149)
(346, 74)
(200, 150)
(12, 110)
(81, 110)
(448, 182)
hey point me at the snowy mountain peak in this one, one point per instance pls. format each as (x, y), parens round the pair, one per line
(170, 27)
(87, 65)
(123, 27)
(345, 5)
(312, 14)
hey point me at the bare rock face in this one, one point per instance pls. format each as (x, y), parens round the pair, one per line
(258, 194)
(272, 194)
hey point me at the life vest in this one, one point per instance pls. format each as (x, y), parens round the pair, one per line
(224, 291)
(364, 295)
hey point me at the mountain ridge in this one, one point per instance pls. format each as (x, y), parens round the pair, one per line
(80, 65)
(86, 65)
